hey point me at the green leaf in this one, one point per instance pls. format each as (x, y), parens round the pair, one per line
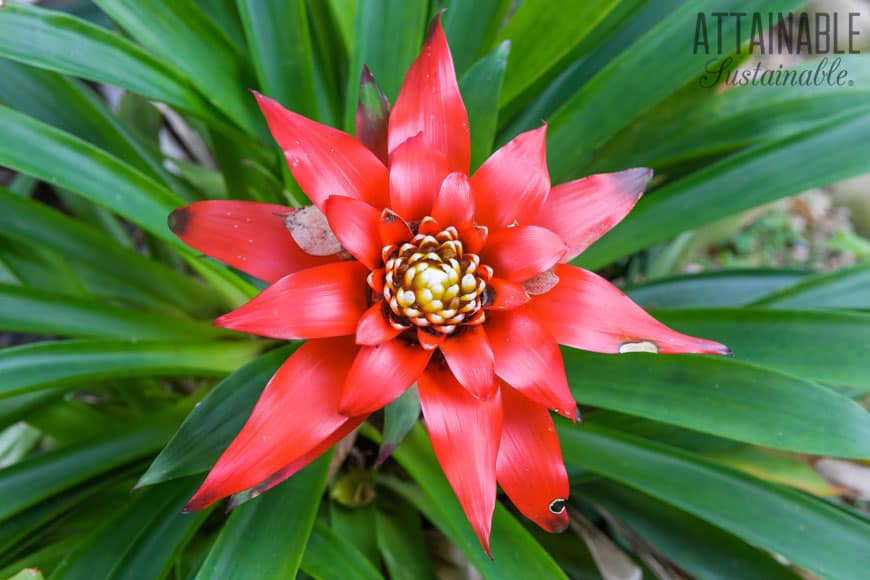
(280, 45)
(516, 554)
(401, 541)
(810, 533)
(823, 346)
(32, 481)
(713, 123)
(18, 408)
(542, 34)
(593, 114)
(266, 537)
(846, 288)
(327, 555)
(44, 38)
(480, 88)
(197, 48)
(776, 466)
(67, 105)
(726, 288)
(744, 180)
(141, 541)
(142, 279)
(225, 15)
(399, 417)
(357, 525)
(38, 312)
(215, 421)
(43, 365)
(620, 29)
(205, 180)
(66, 161)
(723, 397)
(43, 558)
(471, 27)
(32, 266)
(142, 117)
(697, 547)
(331, 58)
(388, 36)
(95, 216)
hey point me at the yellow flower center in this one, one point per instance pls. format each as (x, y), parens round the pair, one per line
(429, 282)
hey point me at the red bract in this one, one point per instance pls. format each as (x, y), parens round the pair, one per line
(459, 284)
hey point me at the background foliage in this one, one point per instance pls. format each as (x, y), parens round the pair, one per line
(114, 112)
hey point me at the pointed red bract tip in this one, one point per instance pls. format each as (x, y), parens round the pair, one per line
(429, 102)
(465, 434)
(513, 183)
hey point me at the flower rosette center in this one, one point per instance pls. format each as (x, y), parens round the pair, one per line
(430, 283)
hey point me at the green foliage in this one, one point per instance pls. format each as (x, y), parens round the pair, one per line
(111, 372)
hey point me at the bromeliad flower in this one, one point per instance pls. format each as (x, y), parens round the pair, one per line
(457, 283)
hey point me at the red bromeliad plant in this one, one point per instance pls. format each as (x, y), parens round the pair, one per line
(424, 275)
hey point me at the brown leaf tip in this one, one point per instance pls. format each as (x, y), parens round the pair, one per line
(178, 220)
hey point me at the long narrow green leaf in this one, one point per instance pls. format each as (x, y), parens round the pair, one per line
(18, 408)
(847, 288)
(16, 529)
(723, 397)
(593, 115)
(95, 216)
(726, 288)
(141, 541)
(327, 555)
(697, 547)
(225, 15)
(197, 48)
(67, 105)
(480, 88)
(43, 365)
(812, 534)
(33, 266)
(142, 279)
(266, 537)
(210, 427)
(64, 160)
(753, 177)
(710, 123)
(388, 36)
(541, 35)
(471, 28)
(32, 481)
(331, 61)
(280, 45)
(824, 346)
(623, 26)
(357, 525)
(516, 553)
(39, 312)
(43, 38)
(401, 541)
